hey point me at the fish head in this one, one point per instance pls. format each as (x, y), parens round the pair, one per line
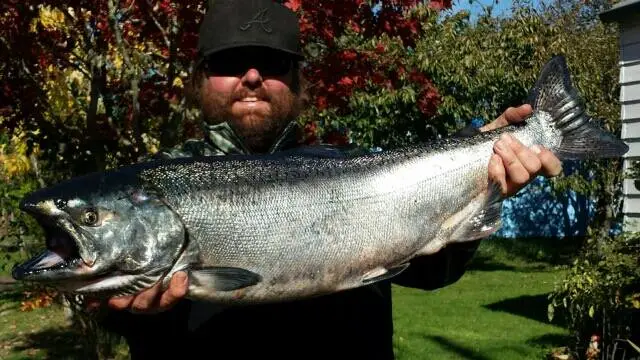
(102, 236)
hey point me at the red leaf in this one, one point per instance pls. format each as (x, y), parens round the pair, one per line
(349, 55)
(346, 81)
(294, 5)
(321, 102)
(355, 27)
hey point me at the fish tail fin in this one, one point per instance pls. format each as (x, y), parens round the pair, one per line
(554, 94)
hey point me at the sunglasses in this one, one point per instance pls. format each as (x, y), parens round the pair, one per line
(238, 62)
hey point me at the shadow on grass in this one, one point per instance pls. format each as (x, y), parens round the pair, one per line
(13, 295)
(524, 254)
(532, 307)
(461, 351)
(550, 340)
(56, 343)
(484, 262)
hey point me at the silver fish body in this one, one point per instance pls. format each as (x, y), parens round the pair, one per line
(313, 225)
(254, 229)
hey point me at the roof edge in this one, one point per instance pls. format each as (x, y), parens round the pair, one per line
(620, 11)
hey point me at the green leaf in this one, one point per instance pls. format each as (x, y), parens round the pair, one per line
(550, 311)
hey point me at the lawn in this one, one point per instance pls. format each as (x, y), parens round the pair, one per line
(496, 311)
(37, 334)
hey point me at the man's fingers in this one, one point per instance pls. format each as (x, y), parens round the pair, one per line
(121, 303)
(511, 116)
(497, 173)
(527, 157)
(144, 301)
(92, 304)
(177, 290)
(551, 165)
(517, 114)
(151, 300)
(516, 172)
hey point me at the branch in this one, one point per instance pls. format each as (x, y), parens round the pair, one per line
(167, 42)
(36, 170)
(116, 31)
(160, 56)
(130, 68)
(83, 61)
(168, 135)
(66, 12)
(128, 10)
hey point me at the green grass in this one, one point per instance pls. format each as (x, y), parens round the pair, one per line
(496, 311)
(38, 334)
(41, 333)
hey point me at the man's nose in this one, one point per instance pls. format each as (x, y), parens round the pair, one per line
(252, 78)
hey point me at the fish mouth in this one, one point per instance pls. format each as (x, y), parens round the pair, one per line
(61, 259)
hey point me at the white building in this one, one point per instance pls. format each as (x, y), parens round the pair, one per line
(627, 14)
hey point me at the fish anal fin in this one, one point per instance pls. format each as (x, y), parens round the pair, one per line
(224, 278)
(485, 220)
(479, 219)
(382, 273)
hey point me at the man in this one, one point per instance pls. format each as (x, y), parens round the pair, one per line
(248, 85)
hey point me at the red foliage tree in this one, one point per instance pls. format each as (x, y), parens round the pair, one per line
(134, 55)
(131, 52)
(353, 46)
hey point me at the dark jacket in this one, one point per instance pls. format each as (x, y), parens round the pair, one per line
(353, 324)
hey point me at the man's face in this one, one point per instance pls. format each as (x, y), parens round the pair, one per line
(251, 89)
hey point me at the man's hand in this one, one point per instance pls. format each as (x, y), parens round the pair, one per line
(514, 165)
(152, 300)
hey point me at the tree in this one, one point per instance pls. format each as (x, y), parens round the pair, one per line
(90, 83)
(364, 84)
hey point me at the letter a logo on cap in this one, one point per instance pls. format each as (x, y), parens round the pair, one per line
(259, 18)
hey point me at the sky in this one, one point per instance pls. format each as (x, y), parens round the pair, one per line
(500, 7)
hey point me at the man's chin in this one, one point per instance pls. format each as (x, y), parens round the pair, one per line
(258, 132)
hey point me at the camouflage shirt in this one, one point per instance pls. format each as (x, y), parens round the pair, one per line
(220, 139)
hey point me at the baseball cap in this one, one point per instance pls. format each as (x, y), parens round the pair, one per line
(239, 23)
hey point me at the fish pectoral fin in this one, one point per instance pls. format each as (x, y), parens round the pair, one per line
(382, 273)
(485, 220)
(224, 278)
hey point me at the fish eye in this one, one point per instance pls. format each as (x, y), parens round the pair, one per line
(90, 217)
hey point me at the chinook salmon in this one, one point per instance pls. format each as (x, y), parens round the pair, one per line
(270, 228)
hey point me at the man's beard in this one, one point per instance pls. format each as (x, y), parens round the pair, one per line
(258, 128)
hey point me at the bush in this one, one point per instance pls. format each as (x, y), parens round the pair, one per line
(601, 294)
(19, 237)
